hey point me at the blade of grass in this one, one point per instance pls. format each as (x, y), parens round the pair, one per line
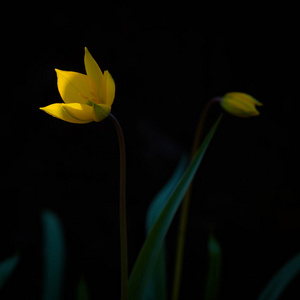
(214, 268)
(280, 281)
(7, 267)
(146, 260)
(156, 288)
(54, 256)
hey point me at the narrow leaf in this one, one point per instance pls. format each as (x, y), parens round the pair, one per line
(214, 268)
(156, 288)
(7, 267)
(54, 256)
(147, 258)
(280, 281)
(159, 202)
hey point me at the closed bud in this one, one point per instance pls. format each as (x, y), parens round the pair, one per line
(240, 104)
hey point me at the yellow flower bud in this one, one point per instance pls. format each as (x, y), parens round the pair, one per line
(240, 104)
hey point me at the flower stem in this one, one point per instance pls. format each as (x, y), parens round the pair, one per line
(123, 230)
(185, 206)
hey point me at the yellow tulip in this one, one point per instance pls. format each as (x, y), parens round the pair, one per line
(87, 97)
(240, 104)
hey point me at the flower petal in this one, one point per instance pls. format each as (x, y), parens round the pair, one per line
(57, 110)
(101, 111)
(243, 97)
(239, 108)
(76, 87)
(82, 112)
(110, 88)
(93, 70)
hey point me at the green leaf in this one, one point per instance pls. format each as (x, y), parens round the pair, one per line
(280, 281)
(7, 267)
(214, 268)
(156, 288)
(148, 255)
(159, 202)
(82, 290)
(54, 256)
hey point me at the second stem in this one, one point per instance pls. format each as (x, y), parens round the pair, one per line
(186, 204)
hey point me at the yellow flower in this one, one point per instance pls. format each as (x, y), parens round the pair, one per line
(240, 104)
(87, 98)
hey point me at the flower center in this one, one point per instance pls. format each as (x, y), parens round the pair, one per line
(92, 99)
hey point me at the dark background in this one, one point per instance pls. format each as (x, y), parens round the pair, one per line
(167, 61)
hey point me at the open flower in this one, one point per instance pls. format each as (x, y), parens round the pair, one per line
(87, 98)
(240, 104)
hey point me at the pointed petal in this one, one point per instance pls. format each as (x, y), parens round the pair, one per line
(94, 71)
(110, 88)
(58, 111)
(76, 87)
(239, 108)
(79, 111)
(244, 97)
(101, 111)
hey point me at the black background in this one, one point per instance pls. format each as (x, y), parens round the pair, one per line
(167, 61)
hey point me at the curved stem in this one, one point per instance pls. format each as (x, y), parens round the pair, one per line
(186, 205)
(123, 230)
